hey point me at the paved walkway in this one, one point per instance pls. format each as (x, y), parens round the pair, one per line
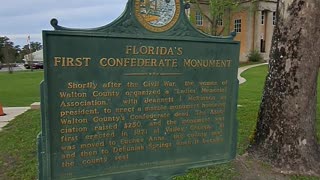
(12, 112)
(244, 68)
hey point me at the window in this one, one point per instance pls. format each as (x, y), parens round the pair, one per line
(198, 19)
(262, 17)
(262, 46)
(237, 25)
(219, 20)
(274, 17)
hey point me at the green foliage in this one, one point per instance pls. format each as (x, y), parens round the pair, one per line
(7, 50)
(10, 53)
(255, 56)
(218, 9)
(192, 19)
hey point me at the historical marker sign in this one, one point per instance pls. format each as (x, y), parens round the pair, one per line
(146, 96)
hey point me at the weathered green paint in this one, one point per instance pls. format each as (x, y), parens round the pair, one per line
(209, 133)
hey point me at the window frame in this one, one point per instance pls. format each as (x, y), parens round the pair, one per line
(262, 45)
(263, 16)
(220, 20)
(237, 25)
(199, 18)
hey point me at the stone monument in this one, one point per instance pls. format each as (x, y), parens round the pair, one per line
(145, 97)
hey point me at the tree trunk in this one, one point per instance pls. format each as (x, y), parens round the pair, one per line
(286, 128)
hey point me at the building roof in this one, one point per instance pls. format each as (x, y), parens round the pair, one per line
(36, 56)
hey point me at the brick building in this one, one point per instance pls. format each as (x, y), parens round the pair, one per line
(253, 21)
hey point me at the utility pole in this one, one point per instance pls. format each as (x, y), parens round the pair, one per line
(30, 54)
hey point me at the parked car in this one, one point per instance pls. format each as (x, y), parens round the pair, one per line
(38, 65)
(27, 65)
(35, 65)
(0, 65)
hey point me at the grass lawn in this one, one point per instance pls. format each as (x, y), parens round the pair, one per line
(18, 150)
(18, 139)
(241, 64)
(20, 88)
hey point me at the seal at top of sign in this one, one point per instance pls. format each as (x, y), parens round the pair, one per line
(157, 15)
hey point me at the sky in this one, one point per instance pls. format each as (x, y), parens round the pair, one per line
(22, 18)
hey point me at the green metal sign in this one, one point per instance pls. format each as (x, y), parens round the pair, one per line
(147, 96)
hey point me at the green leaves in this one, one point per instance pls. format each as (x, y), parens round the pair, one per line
(10, 53)
(216, 13)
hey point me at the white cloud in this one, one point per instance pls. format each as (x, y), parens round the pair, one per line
(21, 36)
(31, 17)
(21, 39)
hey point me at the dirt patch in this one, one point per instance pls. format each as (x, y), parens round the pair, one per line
(7, 162)
(249, 168)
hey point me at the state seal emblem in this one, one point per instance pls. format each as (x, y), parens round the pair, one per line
(157, 15)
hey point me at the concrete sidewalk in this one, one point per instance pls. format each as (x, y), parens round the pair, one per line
(244, 68)
(11, 113)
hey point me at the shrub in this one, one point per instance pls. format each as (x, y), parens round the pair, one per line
(255, 56)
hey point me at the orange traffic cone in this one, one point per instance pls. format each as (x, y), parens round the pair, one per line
(1, 111)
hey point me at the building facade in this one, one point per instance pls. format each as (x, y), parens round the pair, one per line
(253, 22)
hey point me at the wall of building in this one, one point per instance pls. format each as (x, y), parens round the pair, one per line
(264, 31)
(206, 25)
(269, 29)
(243, 35)
(252, 31)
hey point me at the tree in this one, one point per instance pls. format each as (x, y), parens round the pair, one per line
(8, 52)
(4, 41)
(35, 46)
(6, 44)
(18, 57)
(217, 13)
(286, 128)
